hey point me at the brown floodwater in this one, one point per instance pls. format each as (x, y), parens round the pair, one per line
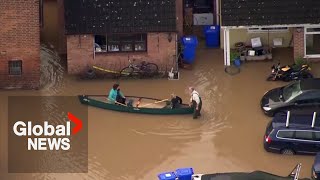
(227, 138)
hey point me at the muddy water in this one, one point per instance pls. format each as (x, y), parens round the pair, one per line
(228, 137)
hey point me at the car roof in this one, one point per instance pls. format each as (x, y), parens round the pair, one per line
(310, 84)
(316, 164)
(296, 120)
(256, 175)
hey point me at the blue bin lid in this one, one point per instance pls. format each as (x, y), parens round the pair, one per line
(184, 172)
(212, 29)
(191, 40)
(167, 176)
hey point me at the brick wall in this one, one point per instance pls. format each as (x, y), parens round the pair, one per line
(20, 39)
(80, 53)
(298, 40)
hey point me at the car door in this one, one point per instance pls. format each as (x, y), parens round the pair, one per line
(304, 142)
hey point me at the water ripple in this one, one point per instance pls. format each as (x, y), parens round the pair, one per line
(52, 71)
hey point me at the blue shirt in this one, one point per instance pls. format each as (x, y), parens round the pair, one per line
(113, 95)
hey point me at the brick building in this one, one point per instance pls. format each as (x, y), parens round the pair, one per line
(105, 33)
(295, 22)
(19, 44)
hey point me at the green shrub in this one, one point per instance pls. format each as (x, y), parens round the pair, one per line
(234, 55)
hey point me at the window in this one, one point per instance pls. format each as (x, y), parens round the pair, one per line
(121, 43)
(304, 135)
(15, 67)
(268, 29)
(317, 136)
(285, 134)
(312, 42)
(202, 6)
(291, 91)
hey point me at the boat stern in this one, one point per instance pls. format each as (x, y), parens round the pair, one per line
(83, 99)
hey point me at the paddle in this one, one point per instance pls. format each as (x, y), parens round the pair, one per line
(154, 103)
(118, 103)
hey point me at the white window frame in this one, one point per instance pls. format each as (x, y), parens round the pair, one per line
(267, 30)
(305, 41)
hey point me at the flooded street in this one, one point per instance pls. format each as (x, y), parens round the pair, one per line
(227, 138)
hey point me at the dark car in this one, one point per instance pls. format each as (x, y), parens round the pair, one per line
(293, 134)
(303, 96)
(256, 175)
(316, 168)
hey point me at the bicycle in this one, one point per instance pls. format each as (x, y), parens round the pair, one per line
(143, 69)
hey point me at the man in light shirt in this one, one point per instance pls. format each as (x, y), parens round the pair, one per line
(195, 102)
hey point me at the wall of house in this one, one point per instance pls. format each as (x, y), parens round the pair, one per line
(20, 40)
(298, 40)
(62, 42)
(242, 35)
(80, 53)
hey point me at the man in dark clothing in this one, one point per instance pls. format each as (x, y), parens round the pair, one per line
(175, 101)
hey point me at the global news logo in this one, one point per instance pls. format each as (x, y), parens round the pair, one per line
(47, 136)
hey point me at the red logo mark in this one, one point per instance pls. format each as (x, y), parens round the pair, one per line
(77, 121)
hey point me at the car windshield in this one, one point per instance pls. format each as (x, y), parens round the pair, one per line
(291, 91)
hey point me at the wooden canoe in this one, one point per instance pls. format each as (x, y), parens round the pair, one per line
(146, 106)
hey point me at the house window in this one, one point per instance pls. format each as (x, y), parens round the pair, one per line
(15, 67)
(312, 42)
(121, 43)
(268, 29)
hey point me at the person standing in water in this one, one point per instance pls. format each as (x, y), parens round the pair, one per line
(195, 102)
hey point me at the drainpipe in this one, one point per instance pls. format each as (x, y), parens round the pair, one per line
(217, 4)
(226, 48)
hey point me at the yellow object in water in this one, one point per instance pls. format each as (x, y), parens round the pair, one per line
(107, 70)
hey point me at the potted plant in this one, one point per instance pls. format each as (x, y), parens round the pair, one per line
(235, 58)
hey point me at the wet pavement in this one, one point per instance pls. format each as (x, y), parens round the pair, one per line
(228, 137)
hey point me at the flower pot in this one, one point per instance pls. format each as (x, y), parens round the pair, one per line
(237, 62)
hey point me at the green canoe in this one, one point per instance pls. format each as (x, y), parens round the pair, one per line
(146, 105)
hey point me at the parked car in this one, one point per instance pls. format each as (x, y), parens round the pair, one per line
(293, 134)
(302, 95)
(256, 175)
(316, 168)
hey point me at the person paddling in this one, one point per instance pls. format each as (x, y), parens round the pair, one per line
(115, 95)
(195, 102)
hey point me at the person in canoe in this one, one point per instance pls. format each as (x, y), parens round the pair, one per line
(175, 101)
(195, 102)
(115, 95)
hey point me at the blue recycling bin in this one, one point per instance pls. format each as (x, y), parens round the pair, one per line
(212, 34)
(189, 44)
(167, 176)
(184, 173)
